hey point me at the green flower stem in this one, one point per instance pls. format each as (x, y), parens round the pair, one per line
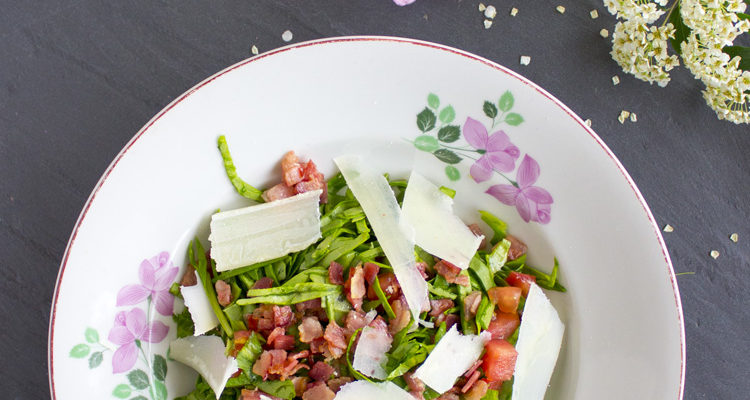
(669, 13)
(148, 365)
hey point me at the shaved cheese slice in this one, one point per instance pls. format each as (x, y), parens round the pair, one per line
(265, 231)
(199, 307)
(452, 357)
(538, 345)
(436, 229)
(364, 390)
(205, 354)
(395, 236)
(370, 353)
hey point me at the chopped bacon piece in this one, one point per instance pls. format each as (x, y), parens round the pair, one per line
(469, 383)
(471, 302)
(355, 287)
(282, 316)
(449, 319)
(336, 383)
(403, 315)
(416, 386)
(300, 384)
(477, 231)
(312, 179)
(477, 391)
(223, 293)
(263, 283)
(318, 345)
(451, 273)
(355, 320)
(336, 273)
(291, 169)
(314, 304)
(371, 271)
(451, 394)
(439, 306)
(422, 267)
(284, 342)
(276, 332)
(473, 368)
(318, 392)
(269, 362)
(517, 247)
(321, 371)
(334, 335)
(389, 284)
(379, 324)
(278, 192)
(262, 319)
(188, 278)
(256, 395)
(310, 329)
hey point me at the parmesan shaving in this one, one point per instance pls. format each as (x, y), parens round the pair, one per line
(364, 390)
(199, 307)
(369, 356)
(205, 354)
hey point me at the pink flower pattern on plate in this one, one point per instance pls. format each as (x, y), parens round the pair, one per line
(130, 327)
(498, 153)
(156, 275)
(532, 202)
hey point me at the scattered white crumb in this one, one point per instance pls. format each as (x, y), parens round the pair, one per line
(714, 254)
(587, 122)
(668, 228)
(525, 60)
(513, 12)
(560, 9)
(594, 14)
(734, 237)
(604, 33)
(490, 12)
(254, 50)
(287, 36)
(487, 23)
(615, 80)
(633, 117)
(482, 7)
(625, 113)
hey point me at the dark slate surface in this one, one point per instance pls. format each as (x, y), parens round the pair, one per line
(78, 79)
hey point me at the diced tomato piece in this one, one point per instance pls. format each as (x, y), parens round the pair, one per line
(506, 298)
(499, 361)
(503, 325)
(520, 280)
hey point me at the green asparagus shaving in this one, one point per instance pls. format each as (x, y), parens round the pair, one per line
(345, 247)
(512, 339)
(497, 258)
(467, 325)
(305, 276)
(242, 187)
(499, 227)
(448, 191)
(383, 299)
(484, 314)
(442, 328)
(356, 374)
(250, 352)
(481, 273)
(506, 391)
(491, 394)
(440, 292)
(201, 267)
(239, 271)
(295, 289)
(424, 256)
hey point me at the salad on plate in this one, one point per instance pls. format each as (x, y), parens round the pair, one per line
(361, 286)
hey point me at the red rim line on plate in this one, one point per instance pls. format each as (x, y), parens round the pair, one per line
(491, 64)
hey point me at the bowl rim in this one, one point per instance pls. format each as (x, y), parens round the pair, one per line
(365, 38)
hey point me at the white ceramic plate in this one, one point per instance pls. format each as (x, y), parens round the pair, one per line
(370, 95)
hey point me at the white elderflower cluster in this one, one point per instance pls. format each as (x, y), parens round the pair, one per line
(642, 50)
(628, 9)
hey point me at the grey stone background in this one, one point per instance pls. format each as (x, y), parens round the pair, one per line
(79, 78)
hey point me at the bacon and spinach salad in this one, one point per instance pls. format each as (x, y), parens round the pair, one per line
(331, 320)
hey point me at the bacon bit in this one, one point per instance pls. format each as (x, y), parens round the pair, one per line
(421, 267)
(471, 302)
(270, 361)
(451, 273)
(355, 287)
(263, 283)
(416, 386)
(379, 324)
(256, 395)
(236, 373)
(371, 271)
(318, 392)
(274, 334)
(335, 384)
(278, 192)
(262, 319)
(403, 316)
(310, 329)
(477, 391)
(318, 345)
(291, 169)
(282, 316)
(517, 247)
(334, 335)
(314, 304)
(189, 278)
(473, 368)
(389, 284)
(451, 394)
(300, 384)
(223, 293)
(355, 320)
(336, 273)
(449, 319)
(312, 180)
(477, 231)
(321, 371)
(284, 342)
(474, 377)
(439, 306)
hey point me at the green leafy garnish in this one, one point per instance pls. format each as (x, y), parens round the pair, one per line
(243, 188)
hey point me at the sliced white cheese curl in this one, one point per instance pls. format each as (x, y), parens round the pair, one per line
(395, 236)
(364, 390)
(199, 307)
(436, 229)
(452, 357)
(538, 345)
(205, 354)
(265, 231)
(369, 355)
